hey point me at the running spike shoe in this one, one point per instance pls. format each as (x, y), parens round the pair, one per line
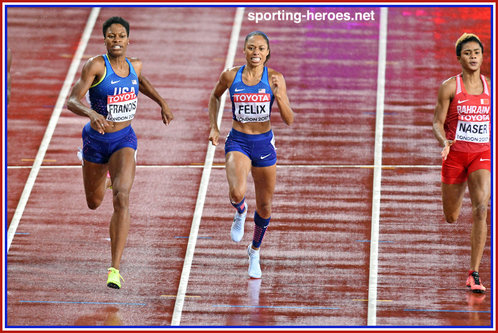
(254, 268)
(474, 283)
(237, 230)
(113, 278)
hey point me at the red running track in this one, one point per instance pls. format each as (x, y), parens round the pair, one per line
(316, 254)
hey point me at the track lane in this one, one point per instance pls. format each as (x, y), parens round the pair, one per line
(321, 219)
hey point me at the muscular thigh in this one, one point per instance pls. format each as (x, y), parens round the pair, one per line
(94, 176)
(264, 182)
(454, 168)
(237, 168)
(452, 195)
(480, 186)
(122, 167)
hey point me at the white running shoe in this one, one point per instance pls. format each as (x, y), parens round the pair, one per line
(254, 268)
(79, 154)
(237, 231)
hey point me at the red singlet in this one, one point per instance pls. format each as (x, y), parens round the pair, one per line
(468, 119)
(468, 124)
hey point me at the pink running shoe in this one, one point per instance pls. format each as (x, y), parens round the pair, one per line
(474, 283)
(108, 182)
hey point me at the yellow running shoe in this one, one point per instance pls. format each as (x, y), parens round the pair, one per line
(113, 278)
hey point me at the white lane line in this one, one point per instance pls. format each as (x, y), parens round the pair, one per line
(201, 196)
(379, 125)
(51, 125)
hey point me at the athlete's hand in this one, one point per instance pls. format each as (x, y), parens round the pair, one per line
(446, 149)
(166, 114)
(99, 123)
(214, 136)
(275, 81)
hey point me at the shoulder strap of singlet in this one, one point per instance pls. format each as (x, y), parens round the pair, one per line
(485, 85)
(106, 62)
(132, 70)
(460, 87)
(264, 77)
(238, 76)
(458, 84)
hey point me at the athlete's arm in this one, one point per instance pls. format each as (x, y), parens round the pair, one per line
(279, 89)
(93, 69)
(443, 103)
(146, 87)
(214, 104)
(148, 90)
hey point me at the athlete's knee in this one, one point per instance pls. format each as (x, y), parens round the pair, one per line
(480, 211)
(236, 195)
(451, 218)
(93, 203)
(264, 209)
(121, 199)
(451, 213)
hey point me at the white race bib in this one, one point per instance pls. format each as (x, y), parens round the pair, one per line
(121, 107)
(472, 131)
(252, 108)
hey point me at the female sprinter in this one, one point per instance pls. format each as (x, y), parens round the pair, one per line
(109, 143)
(250, 145)
(461, 125)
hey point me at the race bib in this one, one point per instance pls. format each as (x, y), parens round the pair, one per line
(472, 131)
(121, 107)
(252, 107)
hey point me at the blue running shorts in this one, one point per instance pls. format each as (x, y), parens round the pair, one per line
(260, 148)
(98, 148)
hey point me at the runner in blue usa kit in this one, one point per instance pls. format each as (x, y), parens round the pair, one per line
(252, 104)
(250, 145)
(115, 98)
(109, 143)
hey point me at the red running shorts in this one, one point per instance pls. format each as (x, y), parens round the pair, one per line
(459, 165)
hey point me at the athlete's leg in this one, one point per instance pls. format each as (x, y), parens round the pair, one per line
(264, 185)
(237, 169)
(452, 195)
(94, 180)
(480, 190)
(122, 166)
